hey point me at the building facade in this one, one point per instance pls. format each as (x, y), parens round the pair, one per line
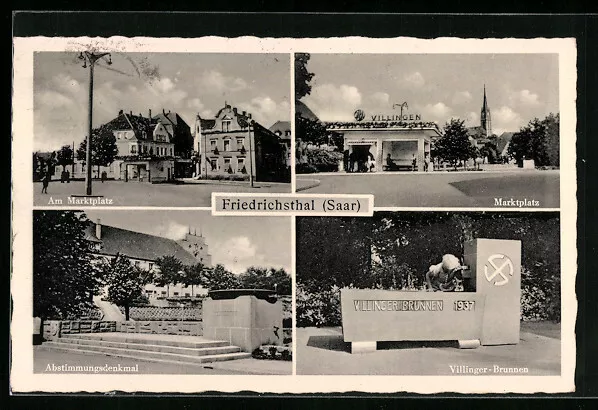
(143, 250)
(283, 130)
(233, 143)
(404, 141)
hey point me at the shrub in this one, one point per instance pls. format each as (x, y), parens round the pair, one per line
(320, 308)
(305, 169)
(268, 352)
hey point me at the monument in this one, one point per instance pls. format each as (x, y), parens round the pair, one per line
(247, 318)
(486, 313)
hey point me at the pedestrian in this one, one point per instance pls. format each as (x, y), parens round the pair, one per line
(104, 176)
(346, 160)
(45, 182)
(426, 163)
(351, 161)
(414, 163)
(371, 162)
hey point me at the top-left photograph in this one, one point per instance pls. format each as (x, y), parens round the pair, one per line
(159, 129)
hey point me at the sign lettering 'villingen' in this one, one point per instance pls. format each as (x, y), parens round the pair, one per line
(398, 305)
(359, 115)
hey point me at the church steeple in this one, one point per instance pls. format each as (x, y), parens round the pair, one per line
(485, 119)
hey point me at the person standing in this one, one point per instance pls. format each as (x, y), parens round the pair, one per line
(346, 160)
(45, 182)
(414, 163)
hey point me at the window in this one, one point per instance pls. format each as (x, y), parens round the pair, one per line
(171, 153)
(287, 133)
(163, 293)
(227, 145)
(240, 164)
(133, 149)
(212, 144)
(226, 161)
(213, 164)
(150, 266)
(176, 293)
(240, 143)
(137, 263)
(187, 294)
(225, 126)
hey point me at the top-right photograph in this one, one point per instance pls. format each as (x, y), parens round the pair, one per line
(430, 130)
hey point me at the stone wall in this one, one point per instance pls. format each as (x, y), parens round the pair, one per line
(161, 327)
(53, 329)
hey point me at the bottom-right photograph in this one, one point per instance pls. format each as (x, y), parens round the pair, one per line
(429, 293)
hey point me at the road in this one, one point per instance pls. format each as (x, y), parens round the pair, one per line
(323, 351)
(440, 189)
(145, 194)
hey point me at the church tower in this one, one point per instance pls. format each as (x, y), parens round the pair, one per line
(485, 119)
(196, 245)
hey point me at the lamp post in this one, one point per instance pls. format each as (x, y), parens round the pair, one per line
(90, 58)
(250, 157)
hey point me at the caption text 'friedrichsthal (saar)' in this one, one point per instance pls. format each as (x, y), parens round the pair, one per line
(354, 205)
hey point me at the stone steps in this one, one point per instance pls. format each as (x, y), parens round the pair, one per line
(148, 349)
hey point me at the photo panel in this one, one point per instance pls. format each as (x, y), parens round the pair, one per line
(430, 293)
(430, 130)
(161, 292)
(167, 129)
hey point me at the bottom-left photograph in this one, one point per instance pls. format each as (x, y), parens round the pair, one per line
(161, 292)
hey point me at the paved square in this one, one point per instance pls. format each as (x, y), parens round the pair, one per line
(323, 351)
(146, 194)
(440, 189)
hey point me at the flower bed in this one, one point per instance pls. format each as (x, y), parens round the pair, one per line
(270, 352)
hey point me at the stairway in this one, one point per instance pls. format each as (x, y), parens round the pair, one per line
(148, 347)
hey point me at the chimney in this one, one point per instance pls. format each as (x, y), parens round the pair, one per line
(120, 112)
(99, 229)
(131, 113)
(163, 112)
(149, 113)
(244, 113)
(249, 115)
(235, 110)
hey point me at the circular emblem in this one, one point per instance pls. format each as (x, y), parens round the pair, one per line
(359, 115)
(498, 269)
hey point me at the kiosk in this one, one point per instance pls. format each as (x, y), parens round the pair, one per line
(486, 313)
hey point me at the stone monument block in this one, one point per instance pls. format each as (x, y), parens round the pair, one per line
(245, 321)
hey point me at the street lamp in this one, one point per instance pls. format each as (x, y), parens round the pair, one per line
(250, 157)
(90, 58)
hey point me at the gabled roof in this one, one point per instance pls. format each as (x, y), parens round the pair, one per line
(137, 245)
(503, 141)
(281, 126)
(305, 111)
(137, 123)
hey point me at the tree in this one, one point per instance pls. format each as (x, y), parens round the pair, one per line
(124, 282)
(538, 140)
(103, 148)
(489, 151)
(65, 278)
(263, 278)
(454, 145)
(170, 269)
(220, 278)
(64, 156)
(310, 131)
(194, 275)
(302, 75)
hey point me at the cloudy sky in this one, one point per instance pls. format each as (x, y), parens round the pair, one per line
(184, 83)
(519, 87)
(235, 242)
